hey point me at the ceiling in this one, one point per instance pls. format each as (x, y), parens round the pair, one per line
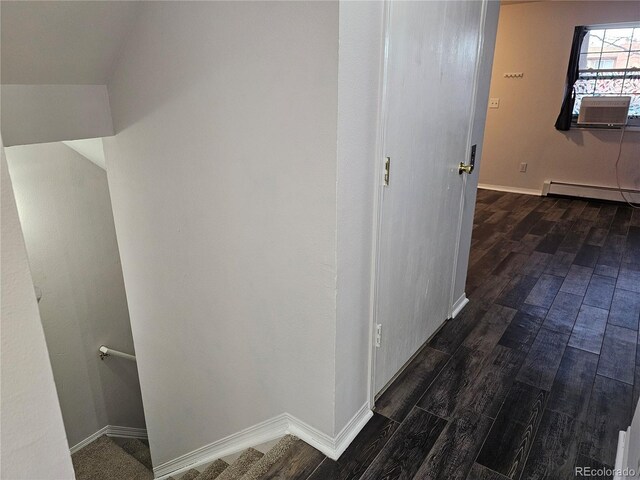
(62, 42)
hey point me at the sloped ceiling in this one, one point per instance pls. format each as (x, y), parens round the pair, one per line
(62, 42)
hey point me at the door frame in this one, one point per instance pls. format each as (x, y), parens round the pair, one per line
(380, 187)
(377, 202)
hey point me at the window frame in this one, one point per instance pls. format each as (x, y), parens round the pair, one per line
(632, 120)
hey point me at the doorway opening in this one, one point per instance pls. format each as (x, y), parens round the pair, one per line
(549, 338)
(65, 212)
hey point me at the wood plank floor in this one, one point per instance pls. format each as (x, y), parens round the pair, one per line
(537, 374)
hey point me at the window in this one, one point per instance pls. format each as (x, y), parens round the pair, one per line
(609, 64)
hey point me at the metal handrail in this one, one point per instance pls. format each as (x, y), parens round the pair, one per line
(107, 352)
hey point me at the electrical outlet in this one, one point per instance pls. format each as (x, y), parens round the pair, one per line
(494, 103)
(523, 167)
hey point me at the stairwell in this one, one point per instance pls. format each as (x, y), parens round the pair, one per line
(104, 459)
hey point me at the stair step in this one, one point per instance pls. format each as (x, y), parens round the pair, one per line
(190, 475)
(104, 460)
(263, 465)
(139, 451)
(298, 462)
(242, 465)
(132, 445)
(213, 470)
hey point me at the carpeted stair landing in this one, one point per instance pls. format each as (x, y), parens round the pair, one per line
(106, 460)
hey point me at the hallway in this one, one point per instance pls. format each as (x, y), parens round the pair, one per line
(537, 374)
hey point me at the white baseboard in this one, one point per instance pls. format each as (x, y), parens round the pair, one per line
(621, 455)
(89, 439)
(111, 431)
(262, 432)
(126, 432)
(351, 430)
(588, 191)
(268, 430)
(459, 305)
(504, 188)
(331, 447)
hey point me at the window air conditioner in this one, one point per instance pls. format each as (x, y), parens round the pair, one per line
(611, 111)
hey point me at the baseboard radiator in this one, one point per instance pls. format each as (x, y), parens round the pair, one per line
(589, 191)
(628, 455)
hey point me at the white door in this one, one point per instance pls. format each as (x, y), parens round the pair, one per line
(490, 30)
(427, 116)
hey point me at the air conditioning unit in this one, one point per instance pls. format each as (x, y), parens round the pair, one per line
(610, 111)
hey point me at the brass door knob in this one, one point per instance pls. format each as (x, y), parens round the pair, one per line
(464, 168)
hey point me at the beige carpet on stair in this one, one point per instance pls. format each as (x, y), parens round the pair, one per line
(242, 465)
(263, 465)
(104, 460)
(190, 475)
(214, 470)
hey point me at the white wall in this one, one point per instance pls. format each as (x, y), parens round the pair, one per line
(33, 442)
(62, 42)
(360, 60)
(65, 212)
(223, 179)
(51, 113)
(535, 38)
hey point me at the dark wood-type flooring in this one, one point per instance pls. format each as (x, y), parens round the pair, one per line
(537, 374)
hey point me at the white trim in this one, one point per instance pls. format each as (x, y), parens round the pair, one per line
(111, 431)
(459, 305)
(587, 191)
(268, 430)
(377, 203)
(88, 440)
(126, 432)
(331, 447)
(505, 188)
(614, 25)
(621, 455)
(351, 430)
